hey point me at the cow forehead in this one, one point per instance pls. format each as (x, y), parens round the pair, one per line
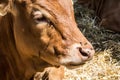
(58, 7)
(62, 10)
(55, 5)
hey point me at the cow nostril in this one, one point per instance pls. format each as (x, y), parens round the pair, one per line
(84, 52)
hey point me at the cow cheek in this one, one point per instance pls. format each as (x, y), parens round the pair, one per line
(40, 32)
(44, 38)
(51, 39)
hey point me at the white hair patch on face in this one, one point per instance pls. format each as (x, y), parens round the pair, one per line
(3, 10)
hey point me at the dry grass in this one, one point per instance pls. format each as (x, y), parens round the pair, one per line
(101, 67)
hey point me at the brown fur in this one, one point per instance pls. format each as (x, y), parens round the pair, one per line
(28, 45)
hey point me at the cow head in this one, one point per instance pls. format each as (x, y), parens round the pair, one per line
(47, 29)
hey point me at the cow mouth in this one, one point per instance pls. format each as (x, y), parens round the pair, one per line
(72, 65)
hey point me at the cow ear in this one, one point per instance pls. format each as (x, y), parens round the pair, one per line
(4, 7)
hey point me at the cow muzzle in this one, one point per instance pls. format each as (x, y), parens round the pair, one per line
(77, 55)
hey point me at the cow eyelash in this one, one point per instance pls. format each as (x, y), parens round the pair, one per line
(39, 17)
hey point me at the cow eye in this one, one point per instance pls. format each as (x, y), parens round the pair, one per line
(39, 17)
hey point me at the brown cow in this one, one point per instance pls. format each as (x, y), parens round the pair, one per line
(35, 34)
(107, 10)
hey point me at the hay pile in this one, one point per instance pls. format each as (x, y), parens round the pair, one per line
(106, 62)
(101, 67)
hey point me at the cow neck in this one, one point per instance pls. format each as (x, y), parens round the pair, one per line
(11, 58)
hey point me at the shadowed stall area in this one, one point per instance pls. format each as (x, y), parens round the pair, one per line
(108, 12)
